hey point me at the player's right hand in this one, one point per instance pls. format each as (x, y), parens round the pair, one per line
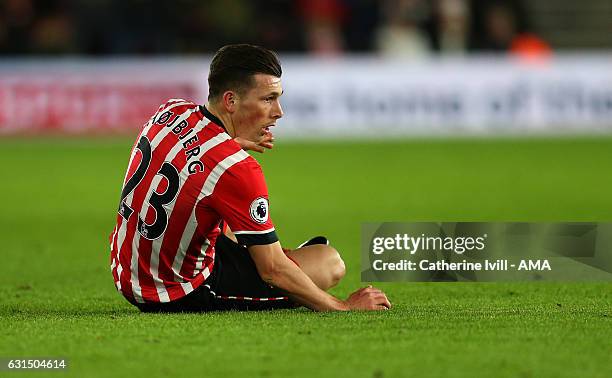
(266, 142)
(368, 298)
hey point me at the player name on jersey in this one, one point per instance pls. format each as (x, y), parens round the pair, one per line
(185, 175)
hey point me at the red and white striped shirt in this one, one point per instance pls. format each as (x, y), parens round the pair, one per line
(185, 175)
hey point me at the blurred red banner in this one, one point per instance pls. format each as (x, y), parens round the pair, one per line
(35, 105)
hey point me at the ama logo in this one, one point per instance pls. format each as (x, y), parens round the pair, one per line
(259, 210)
(534, 265)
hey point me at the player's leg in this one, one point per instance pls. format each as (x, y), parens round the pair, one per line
(236, 284)
(322, 263)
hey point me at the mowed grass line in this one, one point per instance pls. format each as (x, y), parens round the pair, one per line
(58, 298)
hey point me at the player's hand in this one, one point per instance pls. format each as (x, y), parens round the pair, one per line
(368, 298)
(267, 141)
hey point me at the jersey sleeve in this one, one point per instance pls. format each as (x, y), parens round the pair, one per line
(241, 198)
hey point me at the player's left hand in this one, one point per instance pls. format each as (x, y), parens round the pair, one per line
(267, 141)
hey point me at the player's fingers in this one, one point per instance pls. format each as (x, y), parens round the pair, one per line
(248, 145)
(373, 290)
(378, 295)
(384, 301)
(268, 137)
(364, 291)
(266, 145)
(378, 298)
(381, 307)
(373, 294)
(256, 148)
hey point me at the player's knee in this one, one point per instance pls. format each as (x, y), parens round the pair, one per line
(336, 266)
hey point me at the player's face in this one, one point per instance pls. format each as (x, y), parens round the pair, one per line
(258, 108)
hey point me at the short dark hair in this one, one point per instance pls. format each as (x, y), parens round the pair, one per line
(233, 67)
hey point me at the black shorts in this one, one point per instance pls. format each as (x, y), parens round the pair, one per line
(234, 284)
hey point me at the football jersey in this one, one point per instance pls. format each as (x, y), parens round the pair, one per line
(185, 175)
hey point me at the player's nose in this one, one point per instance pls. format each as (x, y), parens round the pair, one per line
(277, 110)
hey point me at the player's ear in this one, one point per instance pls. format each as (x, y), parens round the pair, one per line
(229, 100)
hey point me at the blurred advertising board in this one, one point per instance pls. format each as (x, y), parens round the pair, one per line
(345, 96)
(75, 96)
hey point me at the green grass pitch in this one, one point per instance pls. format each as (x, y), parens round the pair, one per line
(58, 300)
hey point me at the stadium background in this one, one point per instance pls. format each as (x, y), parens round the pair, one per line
(474, 111)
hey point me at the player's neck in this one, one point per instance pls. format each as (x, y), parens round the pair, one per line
(224, 117)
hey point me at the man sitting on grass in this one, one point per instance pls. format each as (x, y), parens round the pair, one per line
(193, 228)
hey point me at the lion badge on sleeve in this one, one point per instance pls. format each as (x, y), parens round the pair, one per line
(259, 210)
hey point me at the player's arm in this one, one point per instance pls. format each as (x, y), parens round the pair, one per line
(241, 198)
(279, 271)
